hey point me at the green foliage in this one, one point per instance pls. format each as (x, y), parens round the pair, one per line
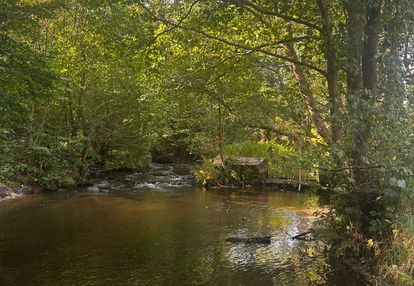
(285, 160)
(35, 165)
(209, 174)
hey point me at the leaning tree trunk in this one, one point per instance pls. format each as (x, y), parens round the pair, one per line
(307, 94)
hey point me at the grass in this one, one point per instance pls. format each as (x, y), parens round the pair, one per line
(397, 263)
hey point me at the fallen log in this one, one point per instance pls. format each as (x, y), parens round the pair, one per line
(302, 236)
(259, 240)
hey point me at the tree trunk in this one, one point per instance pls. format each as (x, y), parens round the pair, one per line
(354, 69)
(335, 102)
(361, 77)
(307, 94)
(221, 136)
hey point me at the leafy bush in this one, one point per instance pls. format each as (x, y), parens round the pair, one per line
(207, 173)
(44, 166)
(132, 158)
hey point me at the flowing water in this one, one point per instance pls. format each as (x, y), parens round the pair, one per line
(158, 234)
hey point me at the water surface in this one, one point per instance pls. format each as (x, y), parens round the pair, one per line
(157, 237)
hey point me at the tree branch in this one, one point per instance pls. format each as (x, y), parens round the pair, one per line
(179, 22)
(351, 168)
(275, 13)
(258, 48)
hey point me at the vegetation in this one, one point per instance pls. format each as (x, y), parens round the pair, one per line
(88, 85)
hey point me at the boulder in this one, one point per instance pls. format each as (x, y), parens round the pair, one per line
(252, 167)
(103, 185)
(248, 168)
(93, 189)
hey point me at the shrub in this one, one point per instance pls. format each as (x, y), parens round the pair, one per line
(208, 173)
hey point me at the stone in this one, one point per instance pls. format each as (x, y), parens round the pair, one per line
(250, 168)
(103, 185)
(163, 173)
(93, 189)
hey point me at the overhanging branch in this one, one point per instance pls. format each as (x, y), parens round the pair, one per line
(275, 13)
(258, 48)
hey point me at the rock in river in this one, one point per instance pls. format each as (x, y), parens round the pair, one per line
(103, 185)
(94, 189)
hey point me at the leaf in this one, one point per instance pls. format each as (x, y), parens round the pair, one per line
(400, 183)
(310, 252)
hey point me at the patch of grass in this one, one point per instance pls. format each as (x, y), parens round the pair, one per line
(397, 263)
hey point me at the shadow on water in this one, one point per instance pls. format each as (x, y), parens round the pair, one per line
(157, 237)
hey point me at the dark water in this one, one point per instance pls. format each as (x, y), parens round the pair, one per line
(157, 237)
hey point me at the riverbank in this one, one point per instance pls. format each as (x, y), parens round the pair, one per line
(155, 176)
(7, 192)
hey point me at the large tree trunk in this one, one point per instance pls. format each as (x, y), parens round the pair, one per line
(335, 102)
(392, 63)
(363, 37)
(354, 71)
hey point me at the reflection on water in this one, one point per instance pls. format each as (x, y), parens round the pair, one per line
(149, 237)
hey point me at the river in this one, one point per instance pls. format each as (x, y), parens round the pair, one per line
(158, 235)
